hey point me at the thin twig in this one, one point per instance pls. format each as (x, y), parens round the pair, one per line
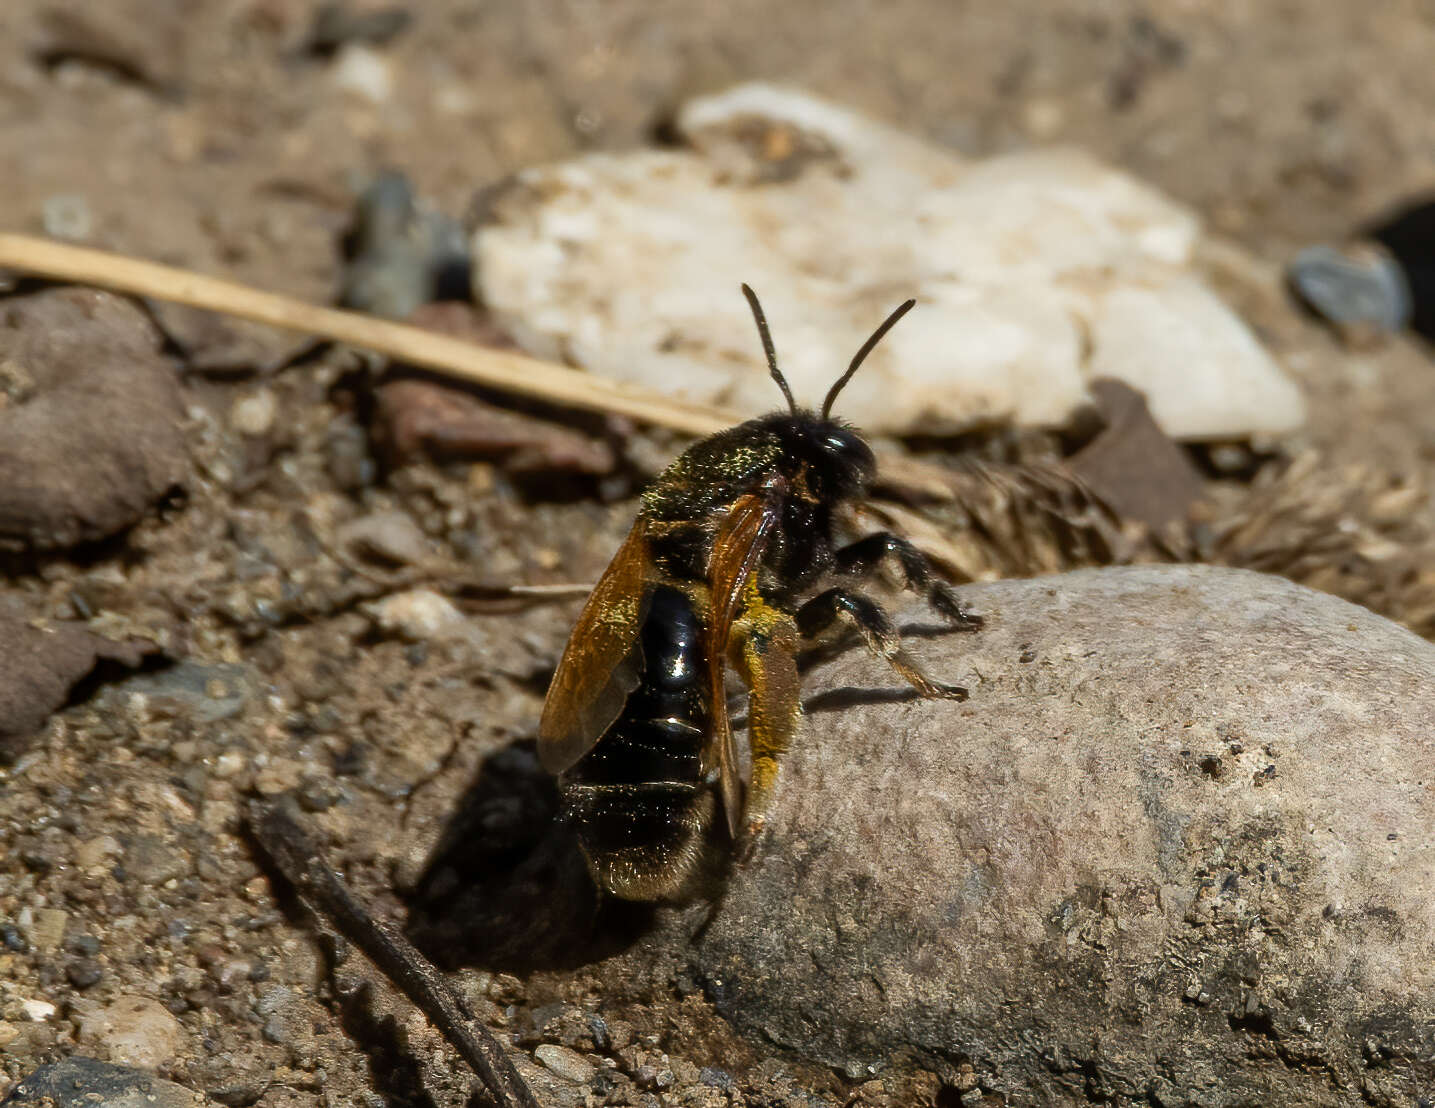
(498, 369)
(299, 860)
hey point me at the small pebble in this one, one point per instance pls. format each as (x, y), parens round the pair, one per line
(84, 945)
(150, 860)
(1360, 285)
(37, 1010)
(253, 415)
(228, 764)
(67, 216)
(418, 614)
(319, 794)
(84, 973)
(716, 1078)
(364, 72)
(133, 1031)
(280, 775)
(48, 929)
(93, 854)
(567, 1064)
(391, 536)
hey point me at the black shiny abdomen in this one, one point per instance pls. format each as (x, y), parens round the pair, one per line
(637, 798)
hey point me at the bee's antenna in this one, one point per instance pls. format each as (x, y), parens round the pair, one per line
(867, 346)
(768, 348)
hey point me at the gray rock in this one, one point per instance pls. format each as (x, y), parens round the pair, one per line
(133, 1030)
(1361, 285)
(189, 690)
(151, 860)
(1175, 849)
(85, 1083)
(95, 436)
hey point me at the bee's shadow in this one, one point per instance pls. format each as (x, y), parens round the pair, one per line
(507, 888)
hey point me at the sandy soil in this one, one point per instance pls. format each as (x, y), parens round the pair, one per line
(203, 133)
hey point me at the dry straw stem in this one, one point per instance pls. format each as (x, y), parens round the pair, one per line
(499, 369)
(480, 365)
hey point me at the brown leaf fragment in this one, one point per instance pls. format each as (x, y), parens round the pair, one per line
(1132, 465)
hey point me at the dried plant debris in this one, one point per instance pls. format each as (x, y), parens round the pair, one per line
(91, 424)
(416, 417)
(1360, 534)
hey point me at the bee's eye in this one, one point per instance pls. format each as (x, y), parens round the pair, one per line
(850, 455)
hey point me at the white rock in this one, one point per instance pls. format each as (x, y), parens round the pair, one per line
(1034, 272)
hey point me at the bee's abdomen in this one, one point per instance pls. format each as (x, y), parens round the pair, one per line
(637, 798)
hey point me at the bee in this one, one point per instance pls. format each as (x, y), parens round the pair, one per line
(718, 571)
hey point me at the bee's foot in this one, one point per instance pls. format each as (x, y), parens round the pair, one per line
(748, 847)
(952, 692)
(963, 620)
(945, 601)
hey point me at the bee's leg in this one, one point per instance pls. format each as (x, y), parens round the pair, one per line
(764, 651)
(866, 554)
(825, 609)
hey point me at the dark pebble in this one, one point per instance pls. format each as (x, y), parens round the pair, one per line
(599, 1027)
(239, 1096)
(1355, 286)
(13, 940)
(79, 1082)
(351, 762)
(84, 972)
(319, 794)
(84, 945)
(38, 857)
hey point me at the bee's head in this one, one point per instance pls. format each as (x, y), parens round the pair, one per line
(834, 459)
(824, 458)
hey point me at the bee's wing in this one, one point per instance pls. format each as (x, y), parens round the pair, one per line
(601, 664)
(741, 539)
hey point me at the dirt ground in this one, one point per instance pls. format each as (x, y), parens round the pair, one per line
(210, 134)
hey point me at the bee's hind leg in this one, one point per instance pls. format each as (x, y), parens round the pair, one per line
(765, 656)
(866, 554)
(825, 609)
